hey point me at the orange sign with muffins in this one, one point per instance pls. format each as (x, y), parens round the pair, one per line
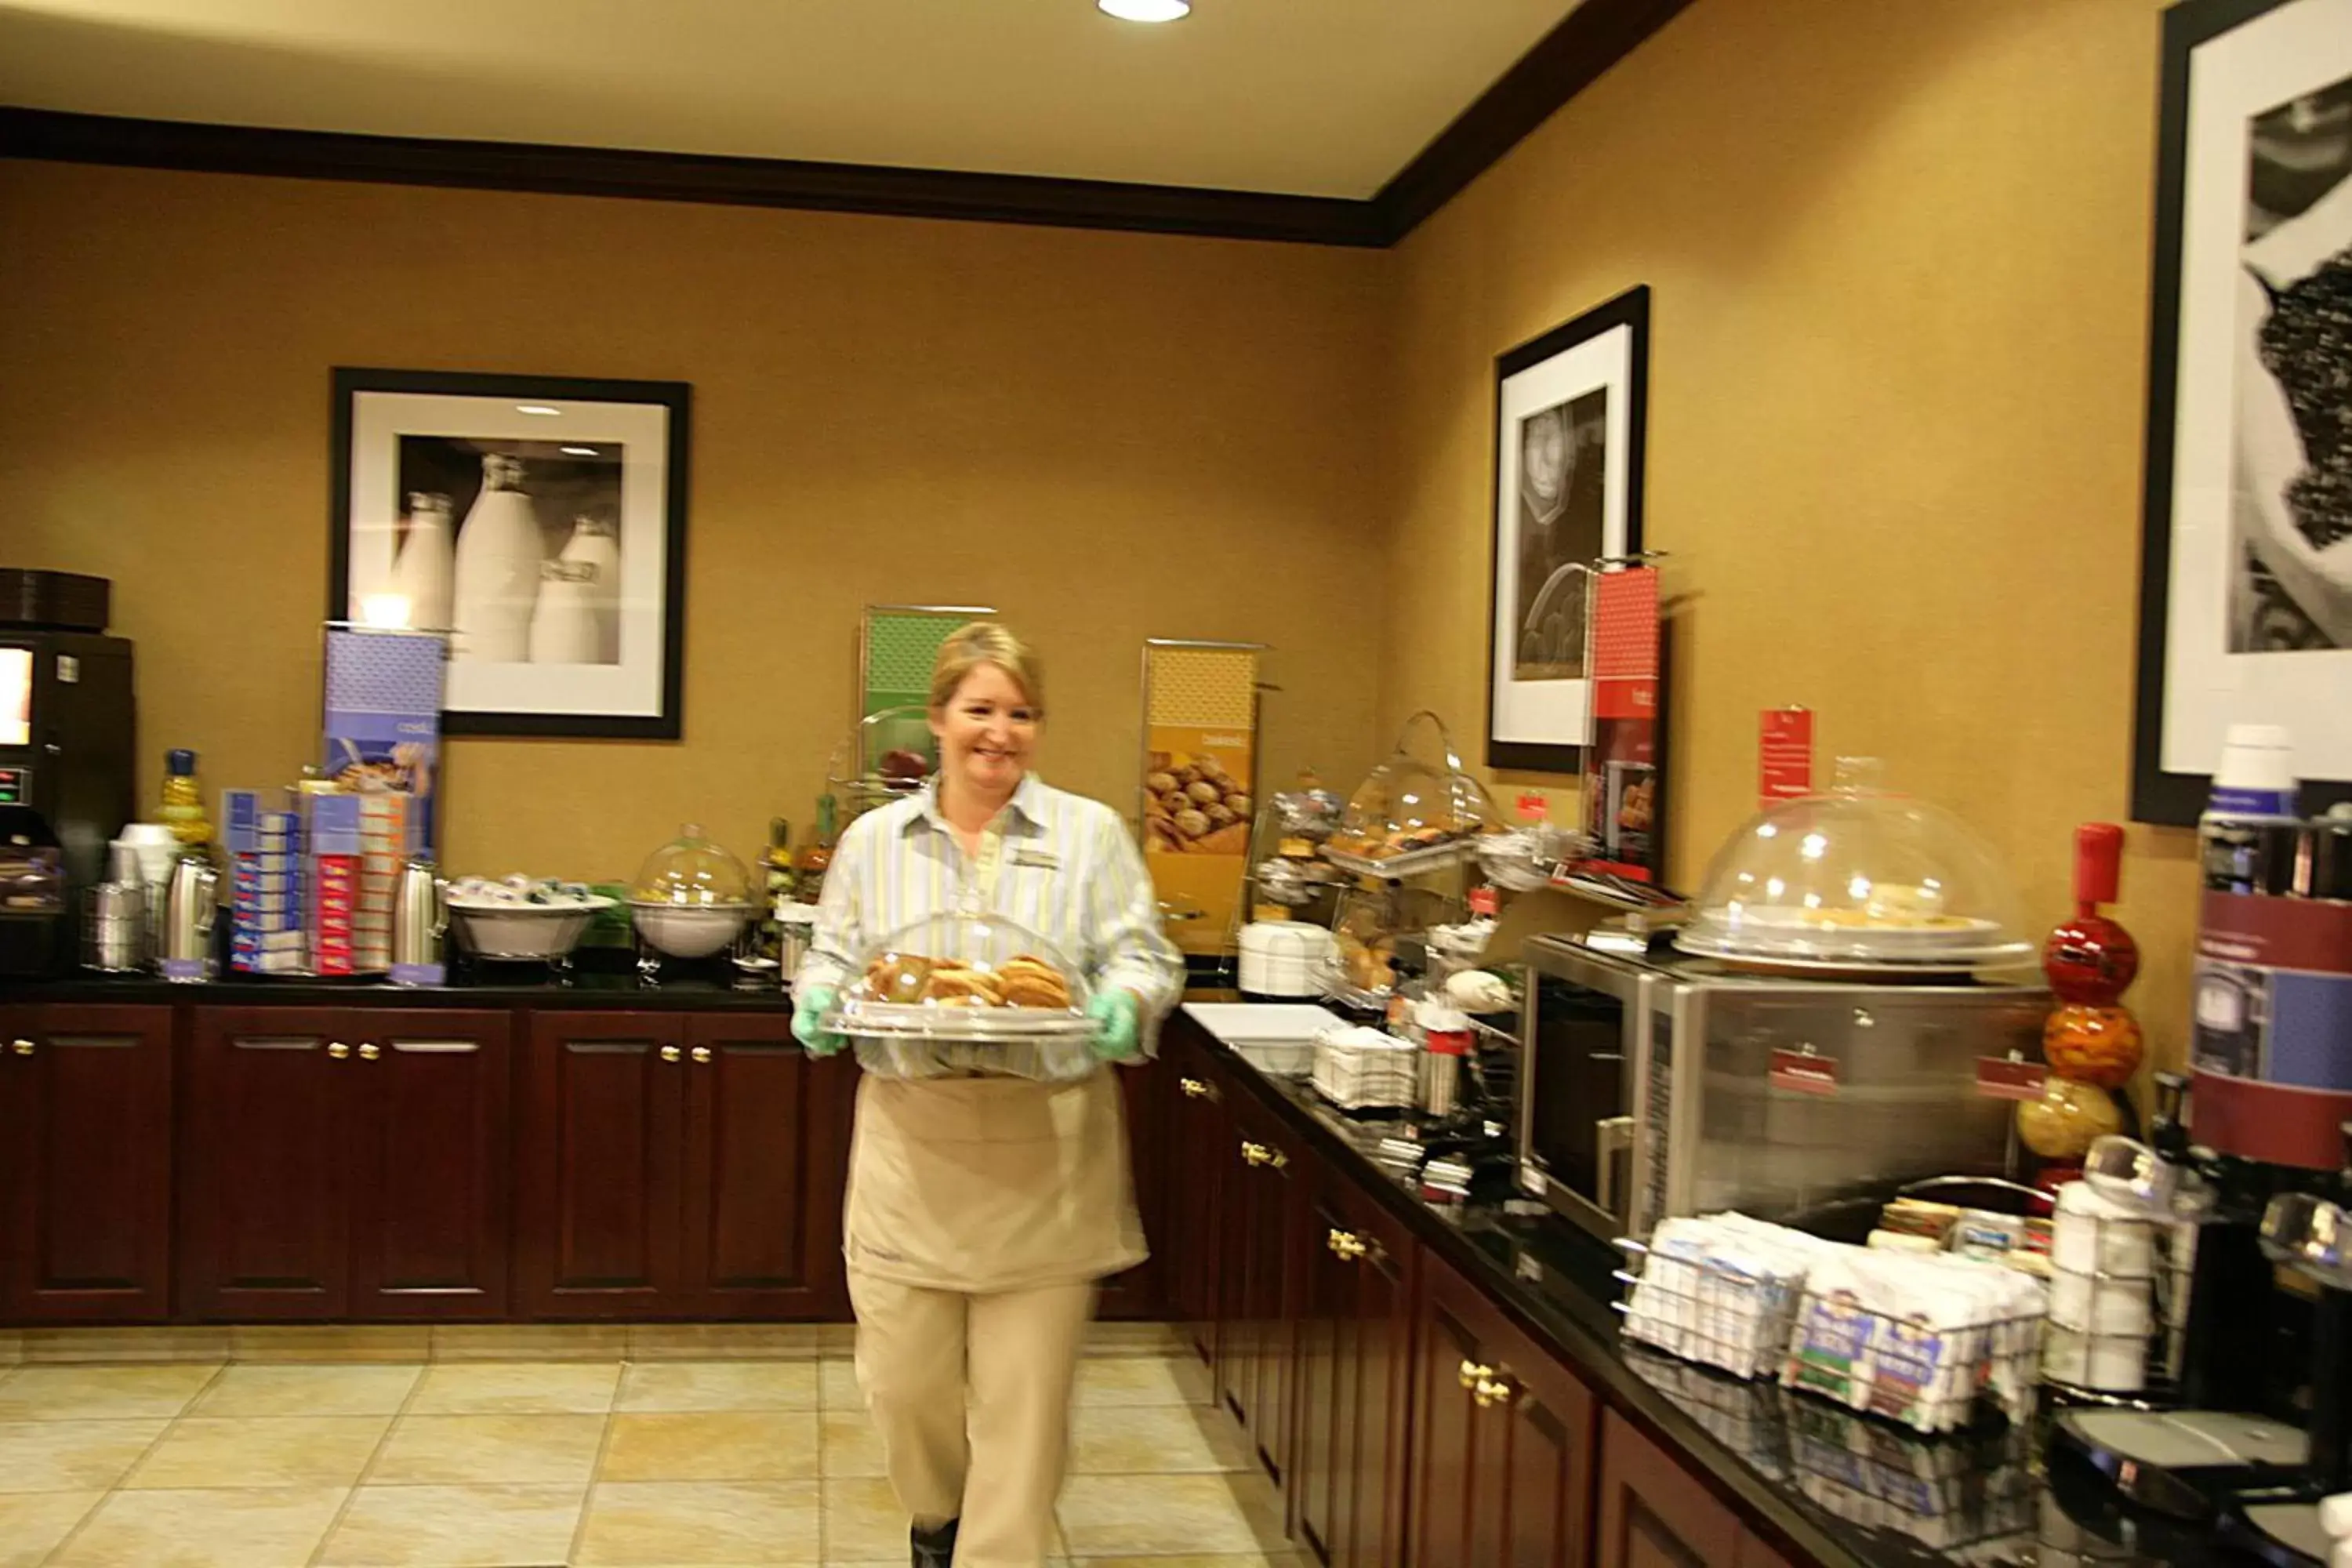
(1199, 759)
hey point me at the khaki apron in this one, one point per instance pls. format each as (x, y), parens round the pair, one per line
(983, 1184)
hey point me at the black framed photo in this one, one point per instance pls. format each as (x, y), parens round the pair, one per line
(2246, 547)
(1569, 411)
(541, 522)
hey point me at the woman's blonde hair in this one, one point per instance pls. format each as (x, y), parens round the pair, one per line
(984, 642)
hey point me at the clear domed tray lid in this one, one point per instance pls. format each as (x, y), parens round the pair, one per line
(692, 872)
(1856, 876)
(964, 976)
(1409, 814)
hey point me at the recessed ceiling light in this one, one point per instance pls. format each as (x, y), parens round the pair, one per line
(578, 451)
(537, 408)
(1145, 10)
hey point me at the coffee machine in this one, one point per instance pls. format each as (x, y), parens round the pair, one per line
(2256, 1427)
(69, 745)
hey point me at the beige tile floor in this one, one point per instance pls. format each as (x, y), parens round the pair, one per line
(633, 1455)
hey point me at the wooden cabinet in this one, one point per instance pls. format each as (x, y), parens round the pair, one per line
(432, 1163)
(1197, 1144)
(767, 1153)
(1353, 1348)
(1261, 1217)
(1655, 1514)
(85, 1157)
(1502, 1439)
(1137, 1293)
(678, 1166)
(345, 1162)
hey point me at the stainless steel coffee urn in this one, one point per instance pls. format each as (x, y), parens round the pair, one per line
(420, 919)
(191, 902)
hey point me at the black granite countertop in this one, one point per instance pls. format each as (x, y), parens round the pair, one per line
(599, 979)
(1846, 1490)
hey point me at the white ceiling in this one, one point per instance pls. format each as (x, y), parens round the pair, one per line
(1309, 96)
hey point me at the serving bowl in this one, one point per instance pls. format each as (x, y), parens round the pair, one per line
(523, 931)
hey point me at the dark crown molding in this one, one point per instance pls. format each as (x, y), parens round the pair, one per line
(1592, 38)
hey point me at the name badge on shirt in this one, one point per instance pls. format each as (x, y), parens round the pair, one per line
(1037, 860)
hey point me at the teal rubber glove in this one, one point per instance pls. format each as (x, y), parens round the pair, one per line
(809, 1007)
(1117, 1016)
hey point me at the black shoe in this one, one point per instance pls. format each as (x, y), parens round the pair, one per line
(934, 1548)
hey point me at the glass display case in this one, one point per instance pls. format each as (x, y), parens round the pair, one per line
(1857, 879)
(691, 899)
(964, 976)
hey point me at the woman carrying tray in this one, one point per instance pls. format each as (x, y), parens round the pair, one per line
(989, 1184)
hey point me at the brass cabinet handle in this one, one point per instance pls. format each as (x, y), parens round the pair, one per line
(1473, 1373)
(22, 1047)
(369, 1051)
(1346, 1246)
(1255, 1153)
(671, 1053)
(336, 1049)
(1193, 1087)
(701, 1053)
(1491, 1392)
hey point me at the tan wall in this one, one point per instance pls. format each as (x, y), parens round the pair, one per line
(1107, 437)
(1899, 256)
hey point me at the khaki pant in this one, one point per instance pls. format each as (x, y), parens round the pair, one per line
(980, 1212)
(971, 1396)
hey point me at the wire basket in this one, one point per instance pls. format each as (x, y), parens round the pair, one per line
(1753, 1321)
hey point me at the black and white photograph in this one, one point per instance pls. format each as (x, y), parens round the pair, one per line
(2246, 563)
(1563, 451)
(1569, 408)
(538, 523)
(2293, 591)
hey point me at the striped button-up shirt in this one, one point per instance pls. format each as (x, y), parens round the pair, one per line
(1059, 864)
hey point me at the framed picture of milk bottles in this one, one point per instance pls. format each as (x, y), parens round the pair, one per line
(541, 522)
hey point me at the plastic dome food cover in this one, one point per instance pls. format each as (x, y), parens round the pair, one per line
(692, 872)
(1408, 806)
(1857, 874)
(964, 976)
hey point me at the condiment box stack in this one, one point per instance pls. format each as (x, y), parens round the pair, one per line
(265, 899)
(357, 842)
(335, 876)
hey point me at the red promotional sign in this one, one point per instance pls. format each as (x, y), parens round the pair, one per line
(1784, 753)
(1801, 1072)
(1625, 643)
(1998, 1078)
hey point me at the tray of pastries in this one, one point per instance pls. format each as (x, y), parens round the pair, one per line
(964, 977)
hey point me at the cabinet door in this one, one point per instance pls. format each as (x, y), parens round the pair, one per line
(430, 1093)
(1197, 1145)
(598, 1207)
(265, 1230)
(1136, 1294)
(1375, 1365)
(1268, 1239)
(1352, 1351)
(1654, 1514)
(1502, 1439)
(86, 1143)
(767, 1153)
(1445, 1427)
